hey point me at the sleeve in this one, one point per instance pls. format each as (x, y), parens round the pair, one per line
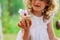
(19, 36)
(51, 18)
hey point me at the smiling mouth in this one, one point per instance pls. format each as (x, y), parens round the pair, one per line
(36, 6)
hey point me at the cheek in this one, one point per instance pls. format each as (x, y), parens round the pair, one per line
(32, 4)
(43, 5)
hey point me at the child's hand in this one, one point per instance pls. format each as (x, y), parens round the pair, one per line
(25, 22)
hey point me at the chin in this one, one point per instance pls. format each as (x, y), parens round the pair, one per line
(37, 9)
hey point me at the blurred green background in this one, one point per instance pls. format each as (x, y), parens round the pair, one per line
(10, 18)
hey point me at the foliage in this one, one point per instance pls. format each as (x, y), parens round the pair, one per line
(10, 17)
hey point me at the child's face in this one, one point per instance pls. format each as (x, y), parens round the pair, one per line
(38, 5)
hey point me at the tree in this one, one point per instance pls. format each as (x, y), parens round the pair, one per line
(9, 6)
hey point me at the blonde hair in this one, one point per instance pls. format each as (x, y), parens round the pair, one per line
(49, 9)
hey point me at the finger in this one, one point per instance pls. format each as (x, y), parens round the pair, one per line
(29, 20)
(23, 21)
(27, 23)
(30, 23)
(20, 25)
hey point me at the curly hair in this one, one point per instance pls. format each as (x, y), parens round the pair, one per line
(49, 9)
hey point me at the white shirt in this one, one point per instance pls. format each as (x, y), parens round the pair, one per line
(38, 30)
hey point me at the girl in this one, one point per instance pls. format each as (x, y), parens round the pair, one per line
(37, 26)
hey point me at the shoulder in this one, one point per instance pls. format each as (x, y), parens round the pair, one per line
(51, 18)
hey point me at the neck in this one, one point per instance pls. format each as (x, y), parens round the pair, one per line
(37, 13)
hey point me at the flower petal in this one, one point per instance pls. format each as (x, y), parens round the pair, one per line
(22, 12)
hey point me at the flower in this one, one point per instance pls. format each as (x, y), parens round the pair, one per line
(23, 12)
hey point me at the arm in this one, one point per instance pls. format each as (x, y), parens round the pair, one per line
(26, 35)
(25, 24)
(50, 31)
